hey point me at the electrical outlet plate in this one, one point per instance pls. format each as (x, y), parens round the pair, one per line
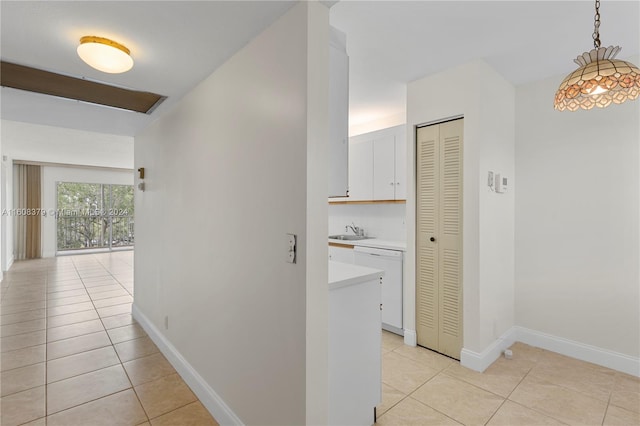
(291, 248)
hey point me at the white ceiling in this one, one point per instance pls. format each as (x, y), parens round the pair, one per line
(177, 44)
(390, 43)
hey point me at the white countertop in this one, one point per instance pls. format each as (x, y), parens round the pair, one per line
(375, 243)
(345, 274)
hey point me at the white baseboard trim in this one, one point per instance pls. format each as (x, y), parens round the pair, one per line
(481, 361)
(209, 398)
(593, 354)
(9, 263)
(392, 329)
(410, 337)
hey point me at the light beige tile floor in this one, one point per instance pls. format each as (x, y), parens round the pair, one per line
(536, 387)
(71, 353)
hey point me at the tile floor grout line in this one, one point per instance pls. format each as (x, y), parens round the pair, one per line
(135, 392)
(29, 388)
(94, 307)
(87, 402)
(26, 310)
(26, 332)
(568, 388)
(409, 395)
(401, 399)
(606, 409)
(508, 397)
(427, 405)
(175, 409)
(87, 372)
(27, 365)
(495, 412)
(121, 363)
(535, 363)
(81, 352)
(471, 384)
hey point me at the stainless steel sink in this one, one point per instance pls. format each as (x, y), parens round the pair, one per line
(348, 237)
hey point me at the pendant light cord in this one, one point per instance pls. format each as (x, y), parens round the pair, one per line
(596, 25)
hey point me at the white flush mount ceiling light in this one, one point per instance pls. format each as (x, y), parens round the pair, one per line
(600, 80)
(105, 55)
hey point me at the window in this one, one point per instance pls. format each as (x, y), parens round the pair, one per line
(91, 216)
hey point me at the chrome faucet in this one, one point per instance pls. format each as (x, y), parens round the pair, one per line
(356, 229)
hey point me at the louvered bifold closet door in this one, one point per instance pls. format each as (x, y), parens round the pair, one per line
(450, 239)
(426, 228)
(439, 237)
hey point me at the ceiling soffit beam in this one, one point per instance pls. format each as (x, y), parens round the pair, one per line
(49, 83)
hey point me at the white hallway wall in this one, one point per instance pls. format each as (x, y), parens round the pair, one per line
(47, 144)
(577, 233)
(240, 162)
(558, 255)
(487, 101)
(34, 142)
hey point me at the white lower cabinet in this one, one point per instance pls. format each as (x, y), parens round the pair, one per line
(341, 254)
(391, 262)
(355, 376)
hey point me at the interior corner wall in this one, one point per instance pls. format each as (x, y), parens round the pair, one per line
(3, 222)
(48, 144)
(7, 220)
(496, 210)
(56, 145)
(316, 249)
(486, 101)
(227, 177)
(378, 124)
(577, 220)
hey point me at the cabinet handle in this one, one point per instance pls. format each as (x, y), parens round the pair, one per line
(381, 306)
(432, 239)
(391, 183)
(397, 183)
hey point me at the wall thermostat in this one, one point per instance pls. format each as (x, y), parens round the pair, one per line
(501, 183)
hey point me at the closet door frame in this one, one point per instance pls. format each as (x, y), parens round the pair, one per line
(448, 240)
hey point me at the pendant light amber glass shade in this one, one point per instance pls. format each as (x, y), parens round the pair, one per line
(600, 81)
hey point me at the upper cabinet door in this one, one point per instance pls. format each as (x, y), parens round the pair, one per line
(384, 181)
(401, 164)
(361, 170)
(338, 115)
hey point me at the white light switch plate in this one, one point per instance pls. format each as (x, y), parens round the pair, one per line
(291, 248)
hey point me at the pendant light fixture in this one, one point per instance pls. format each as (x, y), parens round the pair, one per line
(600, 80)
(105, 55)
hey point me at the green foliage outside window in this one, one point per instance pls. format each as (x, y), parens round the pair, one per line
(94, 215)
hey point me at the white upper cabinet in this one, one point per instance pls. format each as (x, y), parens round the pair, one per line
(377, 165)
(338, 115)
(384, 173)
(360, 170)
(401, 163)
